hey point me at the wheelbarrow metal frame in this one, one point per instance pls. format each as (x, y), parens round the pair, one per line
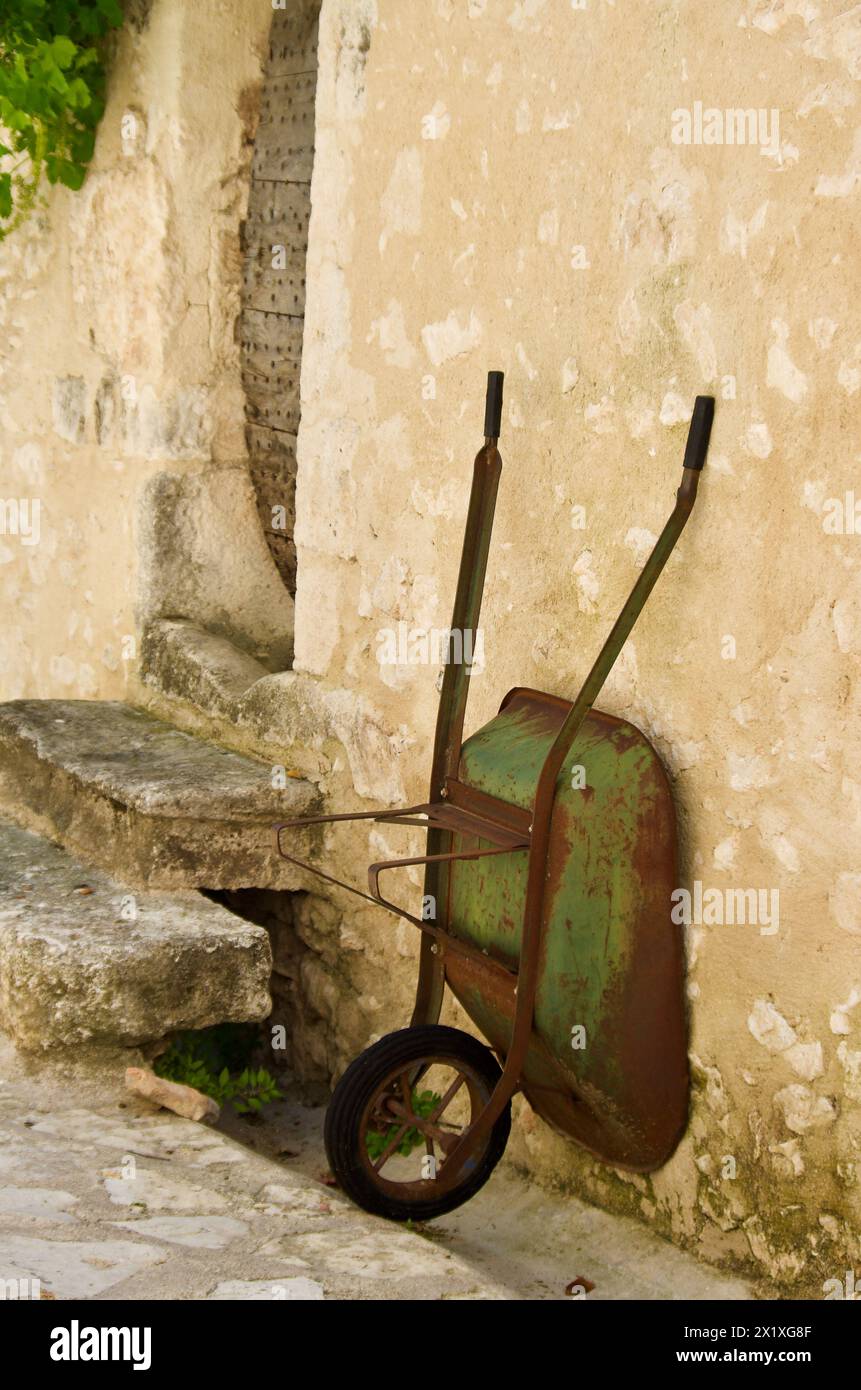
(507, 828)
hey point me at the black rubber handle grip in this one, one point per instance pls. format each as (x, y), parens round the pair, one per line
(493, 405)
(699, 432)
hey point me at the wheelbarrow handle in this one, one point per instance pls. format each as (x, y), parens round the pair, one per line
(493, 406)
(699, 432)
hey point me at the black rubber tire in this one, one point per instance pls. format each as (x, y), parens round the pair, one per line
(354, 1092)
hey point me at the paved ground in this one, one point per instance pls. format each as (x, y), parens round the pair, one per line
(104, 1197)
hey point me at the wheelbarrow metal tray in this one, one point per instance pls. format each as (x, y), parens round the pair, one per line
(612, 961)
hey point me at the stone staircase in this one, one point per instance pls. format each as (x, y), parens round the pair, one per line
(112, 819)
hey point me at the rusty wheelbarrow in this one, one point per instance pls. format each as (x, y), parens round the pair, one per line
(551, 859)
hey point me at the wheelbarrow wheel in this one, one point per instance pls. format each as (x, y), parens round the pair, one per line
(399, 1108)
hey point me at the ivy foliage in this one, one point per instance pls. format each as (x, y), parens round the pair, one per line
(52, 95)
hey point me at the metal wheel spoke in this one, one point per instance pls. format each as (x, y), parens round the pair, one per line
(390, 1147)
(407, 1092)
(447, 1098)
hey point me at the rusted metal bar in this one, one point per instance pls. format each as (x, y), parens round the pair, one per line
(455, 683)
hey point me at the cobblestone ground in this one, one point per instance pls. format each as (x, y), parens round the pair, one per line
(120, 1201)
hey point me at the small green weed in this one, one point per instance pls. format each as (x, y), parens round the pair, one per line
(217, 1062)
(423, 1105)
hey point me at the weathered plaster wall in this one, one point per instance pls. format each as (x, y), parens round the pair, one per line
(496, 185)
(119, 362)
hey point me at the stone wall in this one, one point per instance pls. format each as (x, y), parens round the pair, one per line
(120, 386)
(506, 185)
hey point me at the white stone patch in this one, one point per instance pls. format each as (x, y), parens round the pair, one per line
(842, 185)
(787, 1161)
(392, 443)
(736, 234)
(803, 1110)
(523, 117)
(197, 1232)
(588, 587)
(390, 333)
(840, 1021)
(769, 1027)
(273, 1290)
(747, 773)
(29, 461)
(279, 1197)
(218, 1154)
(640, 418)
(530, 370)
(674, 409)
(805, 1060)
(600, 416)
(559, 120)
(715, 1094)
(849, 378)
(813, 494)
(401, 203)
(845, 902)
(724, 853)
(436, 123)
(757, 440)
(548, 227)
(84, 1127)
(450, 338)
(850, 1060)
(570, 375)
(822, 331)
(629, 321)
(524, 12)
(36, 1203)
(436, 502)
(688, 754)
(782, 372)
(76, 1269)
(694, 324)
(771, 17)
(772, 829)
(156, 1192)
(640, 542)
(846, 617)
(494, 77)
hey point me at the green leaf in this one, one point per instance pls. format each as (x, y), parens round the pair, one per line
(5, 195)
(111, 11)
(63, 51)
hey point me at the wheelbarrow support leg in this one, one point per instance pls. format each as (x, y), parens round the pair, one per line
(527, 975)
(455, 687)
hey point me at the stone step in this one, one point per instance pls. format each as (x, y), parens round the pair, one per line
(85, 961)
(153, 806)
